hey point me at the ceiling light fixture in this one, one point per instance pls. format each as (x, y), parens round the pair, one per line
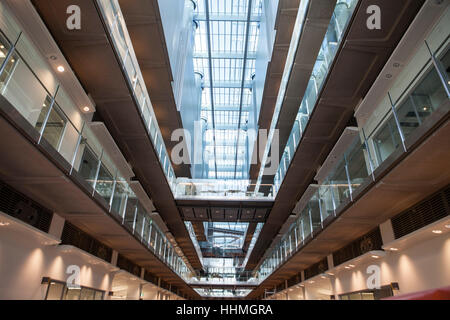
(447, 226)
(60, 69)
(375, 256)
(86, 109)
(437, 231)
(393, 249)
(4, 224)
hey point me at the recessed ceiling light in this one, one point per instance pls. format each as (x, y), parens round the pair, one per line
(60, 68)
(375, 256)
(311, 281)
(393, 249)
(437, 231)
(447, 226)
(351, 265)
(331, 274)
(86, 109)
(347, 267)
(3, 224)
(2, 47)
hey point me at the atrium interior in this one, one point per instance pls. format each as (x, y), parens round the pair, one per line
(224, 149)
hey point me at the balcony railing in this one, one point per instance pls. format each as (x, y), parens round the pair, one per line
(216, 189)
(423, 104)
(118, 32)
(43, 108)
(336, 29)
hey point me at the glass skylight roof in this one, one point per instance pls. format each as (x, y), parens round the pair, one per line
(225, 47)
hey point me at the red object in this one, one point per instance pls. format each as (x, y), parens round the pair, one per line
(433, 294)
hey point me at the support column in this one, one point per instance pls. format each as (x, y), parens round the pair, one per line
(387, 232)
(332, 278)
(57, 226)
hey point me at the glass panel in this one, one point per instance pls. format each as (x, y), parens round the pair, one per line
(315, 212)
(306, 222)
(120, 194)
(358, 163)
(354, 296)
(145, 235)
(55, 290)
(367, 296)
(387, 140)
(87, 294)
(55, 125)
(339, 183)
(23, 90)
(4, 49)
(326, 200)
(98, 295)
(72, 294)
(139, 220)
(69, 142)
(105, 182)
(153, 236)
(428, 95)
(445, 60)
(88, 164)
(130, 212)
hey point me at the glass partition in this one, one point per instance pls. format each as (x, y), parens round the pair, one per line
(124, 48)
(424, 95)
(78, 145)
(339, 21)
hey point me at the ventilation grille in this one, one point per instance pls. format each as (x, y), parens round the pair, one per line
(71, 235)
(369, 241)
(315, 269)
(150, 277)
(294, 280)
(422, 214)
(280, 287)
(23, 208)
(128, 265)
(165, 285)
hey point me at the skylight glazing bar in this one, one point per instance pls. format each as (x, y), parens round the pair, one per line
(208, 35)
(247, 32)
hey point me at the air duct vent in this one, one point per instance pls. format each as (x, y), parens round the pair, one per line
(71, 235)
(368, 242)
(434, 208)
(128, 265)
(23, 208)
(315, 269)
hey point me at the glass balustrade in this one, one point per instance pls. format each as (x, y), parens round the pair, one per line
(427, 93)
(333, 37)
(76, 143)
(122, 43)
(218, 189)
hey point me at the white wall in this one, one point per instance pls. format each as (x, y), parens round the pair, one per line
(421, 267)
(24, 260)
